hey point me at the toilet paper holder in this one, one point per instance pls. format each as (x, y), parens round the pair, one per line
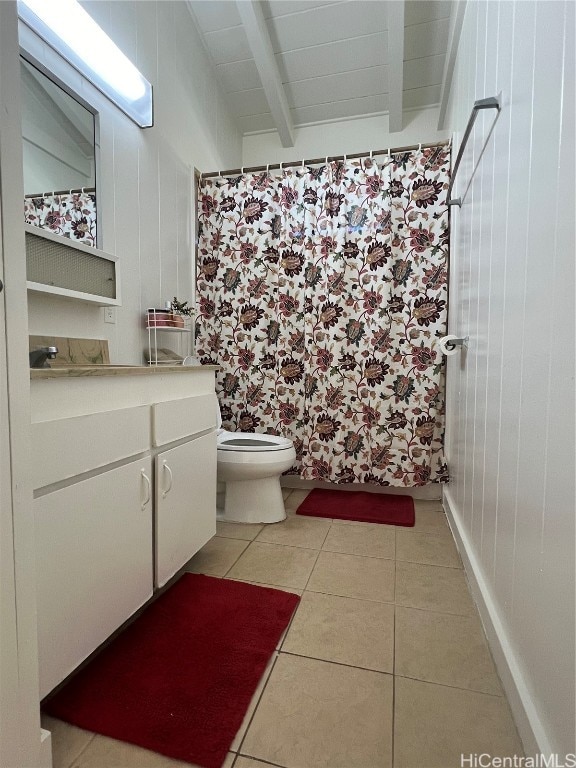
(457, 342)
(448, 345)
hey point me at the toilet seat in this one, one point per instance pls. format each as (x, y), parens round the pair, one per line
(250, 464)
(251, 442)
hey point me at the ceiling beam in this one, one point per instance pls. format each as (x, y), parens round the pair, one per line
(259, 40)
(456, 20)
(396, 65)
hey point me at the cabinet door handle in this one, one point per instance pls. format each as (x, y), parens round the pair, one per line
(148, 489)
(170, 478)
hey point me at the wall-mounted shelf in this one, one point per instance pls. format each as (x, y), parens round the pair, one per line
(57, 265)
(63, 293)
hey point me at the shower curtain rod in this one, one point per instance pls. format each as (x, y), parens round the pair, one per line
(314, 161)
(62, 192)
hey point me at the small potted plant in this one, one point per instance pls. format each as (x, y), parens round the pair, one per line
(180, 310)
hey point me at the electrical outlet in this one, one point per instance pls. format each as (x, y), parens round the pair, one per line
(109, 314)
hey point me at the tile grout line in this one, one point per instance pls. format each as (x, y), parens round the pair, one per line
(276, 650)
(454, 687)
(352, 597)
(327, 534)
(434, 565)
(433, 610)
(292, 546)
(353, 554)
(316, 592)
(265, 584)
(312, 570)
(316, 560)
(338, 663)
(355, 599)
(294, 612)
(258, 759)
(269, 543)
(447, 533)
(360, 599)
(242, 740)
(238, 558)
(84, 748)
(321, 549)
(444, 613)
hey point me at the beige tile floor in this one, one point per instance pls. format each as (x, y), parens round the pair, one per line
(384, 663)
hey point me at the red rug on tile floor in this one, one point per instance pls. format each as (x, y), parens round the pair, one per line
(361, 506)
(179, 680)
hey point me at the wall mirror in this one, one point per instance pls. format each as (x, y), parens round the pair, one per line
(59, 157)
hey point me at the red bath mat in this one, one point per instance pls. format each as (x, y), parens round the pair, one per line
(180, 678)
(361, 506)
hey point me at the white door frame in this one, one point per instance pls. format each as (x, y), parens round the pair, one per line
(21, 743)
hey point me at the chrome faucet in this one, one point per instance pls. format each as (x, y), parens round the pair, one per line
(39, 357)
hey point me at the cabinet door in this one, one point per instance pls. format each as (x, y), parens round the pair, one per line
(93, 564)
(185, 503)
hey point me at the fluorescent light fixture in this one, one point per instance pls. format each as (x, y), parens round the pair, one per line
(74, 34)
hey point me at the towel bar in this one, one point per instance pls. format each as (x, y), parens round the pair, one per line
(490, 103)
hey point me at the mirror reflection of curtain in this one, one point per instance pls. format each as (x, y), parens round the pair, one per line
(321, 293)
(59, 161)
(70, 215)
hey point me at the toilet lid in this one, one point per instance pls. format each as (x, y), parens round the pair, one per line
(251, 441)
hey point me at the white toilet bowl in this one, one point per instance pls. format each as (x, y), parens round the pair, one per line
(250, 465)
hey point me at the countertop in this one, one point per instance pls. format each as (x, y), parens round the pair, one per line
(78, 371)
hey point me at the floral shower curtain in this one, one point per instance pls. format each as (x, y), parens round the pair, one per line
(321, 293)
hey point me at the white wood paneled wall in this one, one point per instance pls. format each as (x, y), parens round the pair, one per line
(146, 180)
(343, 137)
(510, 405)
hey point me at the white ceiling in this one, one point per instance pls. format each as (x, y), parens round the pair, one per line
(333, 59)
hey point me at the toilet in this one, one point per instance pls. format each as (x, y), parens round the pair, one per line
(250, 465)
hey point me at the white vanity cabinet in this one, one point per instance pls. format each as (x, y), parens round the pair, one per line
(124, 477)
(93, 521)
(185, 503)
(185, 481)
(93, 563)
